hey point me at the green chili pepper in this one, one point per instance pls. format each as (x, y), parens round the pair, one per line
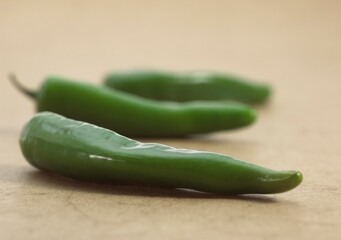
(134, 116)
(86, 152)
(183, 87)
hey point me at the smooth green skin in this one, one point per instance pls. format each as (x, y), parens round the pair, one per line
(192, 86)
(135, 116)
(86, 152)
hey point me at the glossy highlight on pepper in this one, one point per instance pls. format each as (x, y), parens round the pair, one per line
(135, 116)
(188, 86)
(90, 153)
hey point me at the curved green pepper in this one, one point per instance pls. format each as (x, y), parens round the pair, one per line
(86, 152)
(183, 87)
(134, 116)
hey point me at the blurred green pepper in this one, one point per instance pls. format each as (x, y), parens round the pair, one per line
(184, 87)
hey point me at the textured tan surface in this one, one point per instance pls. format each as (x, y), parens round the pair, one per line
(294, 45)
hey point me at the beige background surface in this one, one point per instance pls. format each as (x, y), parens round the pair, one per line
(293, 45)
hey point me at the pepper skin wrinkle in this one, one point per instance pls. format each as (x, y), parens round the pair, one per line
(188, 86)
(90, 153)
(135, 116)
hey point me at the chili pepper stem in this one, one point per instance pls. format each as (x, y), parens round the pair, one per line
(20, 87)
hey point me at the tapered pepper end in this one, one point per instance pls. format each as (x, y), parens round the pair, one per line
(241, 115)
(279, 182)
(250, 116)
(264, 93)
